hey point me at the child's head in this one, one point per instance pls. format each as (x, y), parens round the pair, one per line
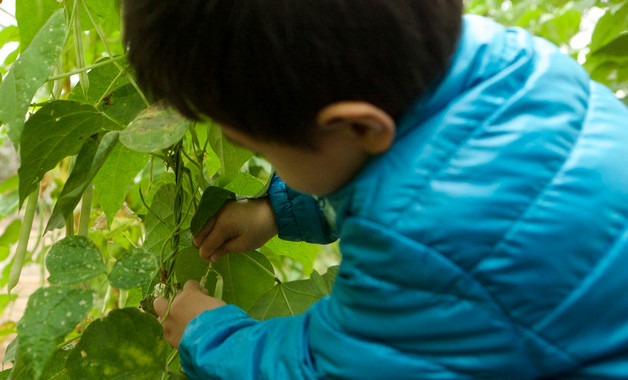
(266, 68)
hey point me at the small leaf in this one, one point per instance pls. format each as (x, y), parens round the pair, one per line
(212, 200)
(295, 297)
(56, 131)
(88, 163)
(303, 252)
(247, 276)
(73, 260)
(115, 176)
(30, 72)
(154, 128)
(134, 269)
(51, 313)
(127, 344)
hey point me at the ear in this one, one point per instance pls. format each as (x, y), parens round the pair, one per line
(369, 125)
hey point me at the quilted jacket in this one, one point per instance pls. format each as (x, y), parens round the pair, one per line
(490, 241)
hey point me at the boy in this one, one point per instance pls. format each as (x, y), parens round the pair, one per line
(478, 178)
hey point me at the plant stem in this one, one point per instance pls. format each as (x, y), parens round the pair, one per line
(69, 225)
(101, 35)
(86, 208)
(85, 68)
(20, 252)
(78, 48)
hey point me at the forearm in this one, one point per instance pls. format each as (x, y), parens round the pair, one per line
(226, 344)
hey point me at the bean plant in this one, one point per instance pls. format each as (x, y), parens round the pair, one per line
(119, 183)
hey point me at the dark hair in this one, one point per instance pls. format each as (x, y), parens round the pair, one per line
(266, 67)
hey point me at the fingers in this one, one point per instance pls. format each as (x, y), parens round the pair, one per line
(192, 285)
(205, 231)
(214, 244)
(161, 306)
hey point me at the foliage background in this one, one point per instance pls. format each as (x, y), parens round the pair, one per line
(113, 180)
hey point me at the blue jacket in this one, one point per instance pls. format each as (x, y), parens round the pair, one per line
(490, 242)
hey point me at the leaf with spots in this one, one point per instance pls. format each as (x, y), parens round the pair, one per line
(136, 268)
(50, 315)
(56, 131)
(127, 344)
(254, 268)
(295, 297)
(157, 127)
(29, 73)
(73, 260)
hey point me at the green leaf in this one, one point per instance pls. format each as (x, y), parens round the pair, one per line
(562, 27)
(304, 253)
(154, 128)
(212, 200)
(51, 313)
(134, 269)
(231, 156)
(160, 220)
(12, 233)
(189, 265)
(31, 18)
(123, 104)
(247, 276)
(29, 72)
(609, 27)
(88, 163)
(9, 34)
(56, 131)
(245, 184)
(103, 80)
(115, 177)
(295, 297)
(73, 260)
(127, 344)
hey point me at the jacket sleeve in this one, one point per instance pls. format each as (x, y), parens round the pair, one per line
(300, 217)
(401, 311)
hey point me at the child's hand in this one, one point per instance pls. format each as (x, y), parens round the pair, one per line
(239, 226)
(187, 305)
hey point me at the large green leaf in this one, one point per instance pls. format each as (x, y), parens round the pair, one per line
(304, 253)
(88, 162)
(189, 265)
(115, 177)
(154, 128)
(212, 200)
(73, 260)
(32, 16)
(51, 313)
(295, 297)
(160, 220)
(29, 72)
(136, 268)
(247, 276)
(56, 131)
(54, 369)
(127, 344)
